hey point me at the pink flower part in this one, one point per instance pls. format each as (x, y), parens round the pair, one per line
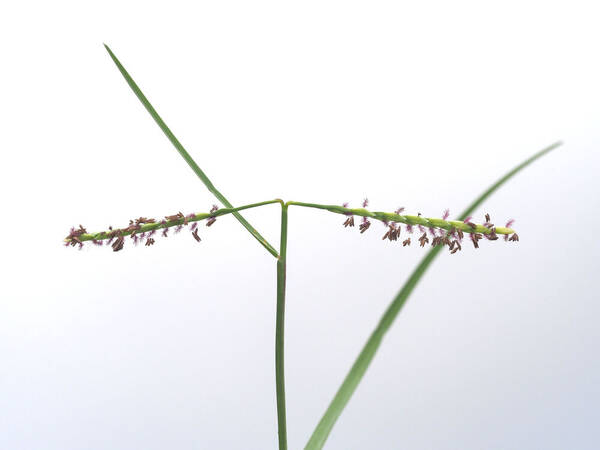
(446, 214)
(509, 223)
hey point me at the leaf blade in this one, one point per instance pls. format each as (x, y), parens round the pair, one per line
(361, 364)
(183, 152)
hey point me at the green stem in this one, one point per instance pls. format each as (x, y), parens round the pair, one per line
(183, 152)
(279, 331)
(171, 223)
(354, 376)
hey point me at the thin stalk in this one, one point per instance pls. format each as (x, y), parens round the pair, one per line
(169, 223)
(353, 378)
(185, 155)
(279, 331)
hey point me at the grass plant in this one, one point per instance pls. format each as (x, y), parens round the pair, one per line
(440, 233)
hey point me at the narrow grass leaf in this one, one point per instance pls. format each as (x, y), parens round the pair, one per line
(353, 378)
(185, 155)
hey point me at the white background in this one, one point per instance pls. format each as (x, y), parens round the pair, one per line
(421, 106)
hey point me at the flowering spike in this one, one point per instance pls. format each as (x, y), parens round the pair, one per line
(442, 231)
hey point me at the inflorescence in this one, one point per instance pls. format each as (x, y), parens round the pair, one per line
(443, 232)
(143, 229)
(451, 233)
